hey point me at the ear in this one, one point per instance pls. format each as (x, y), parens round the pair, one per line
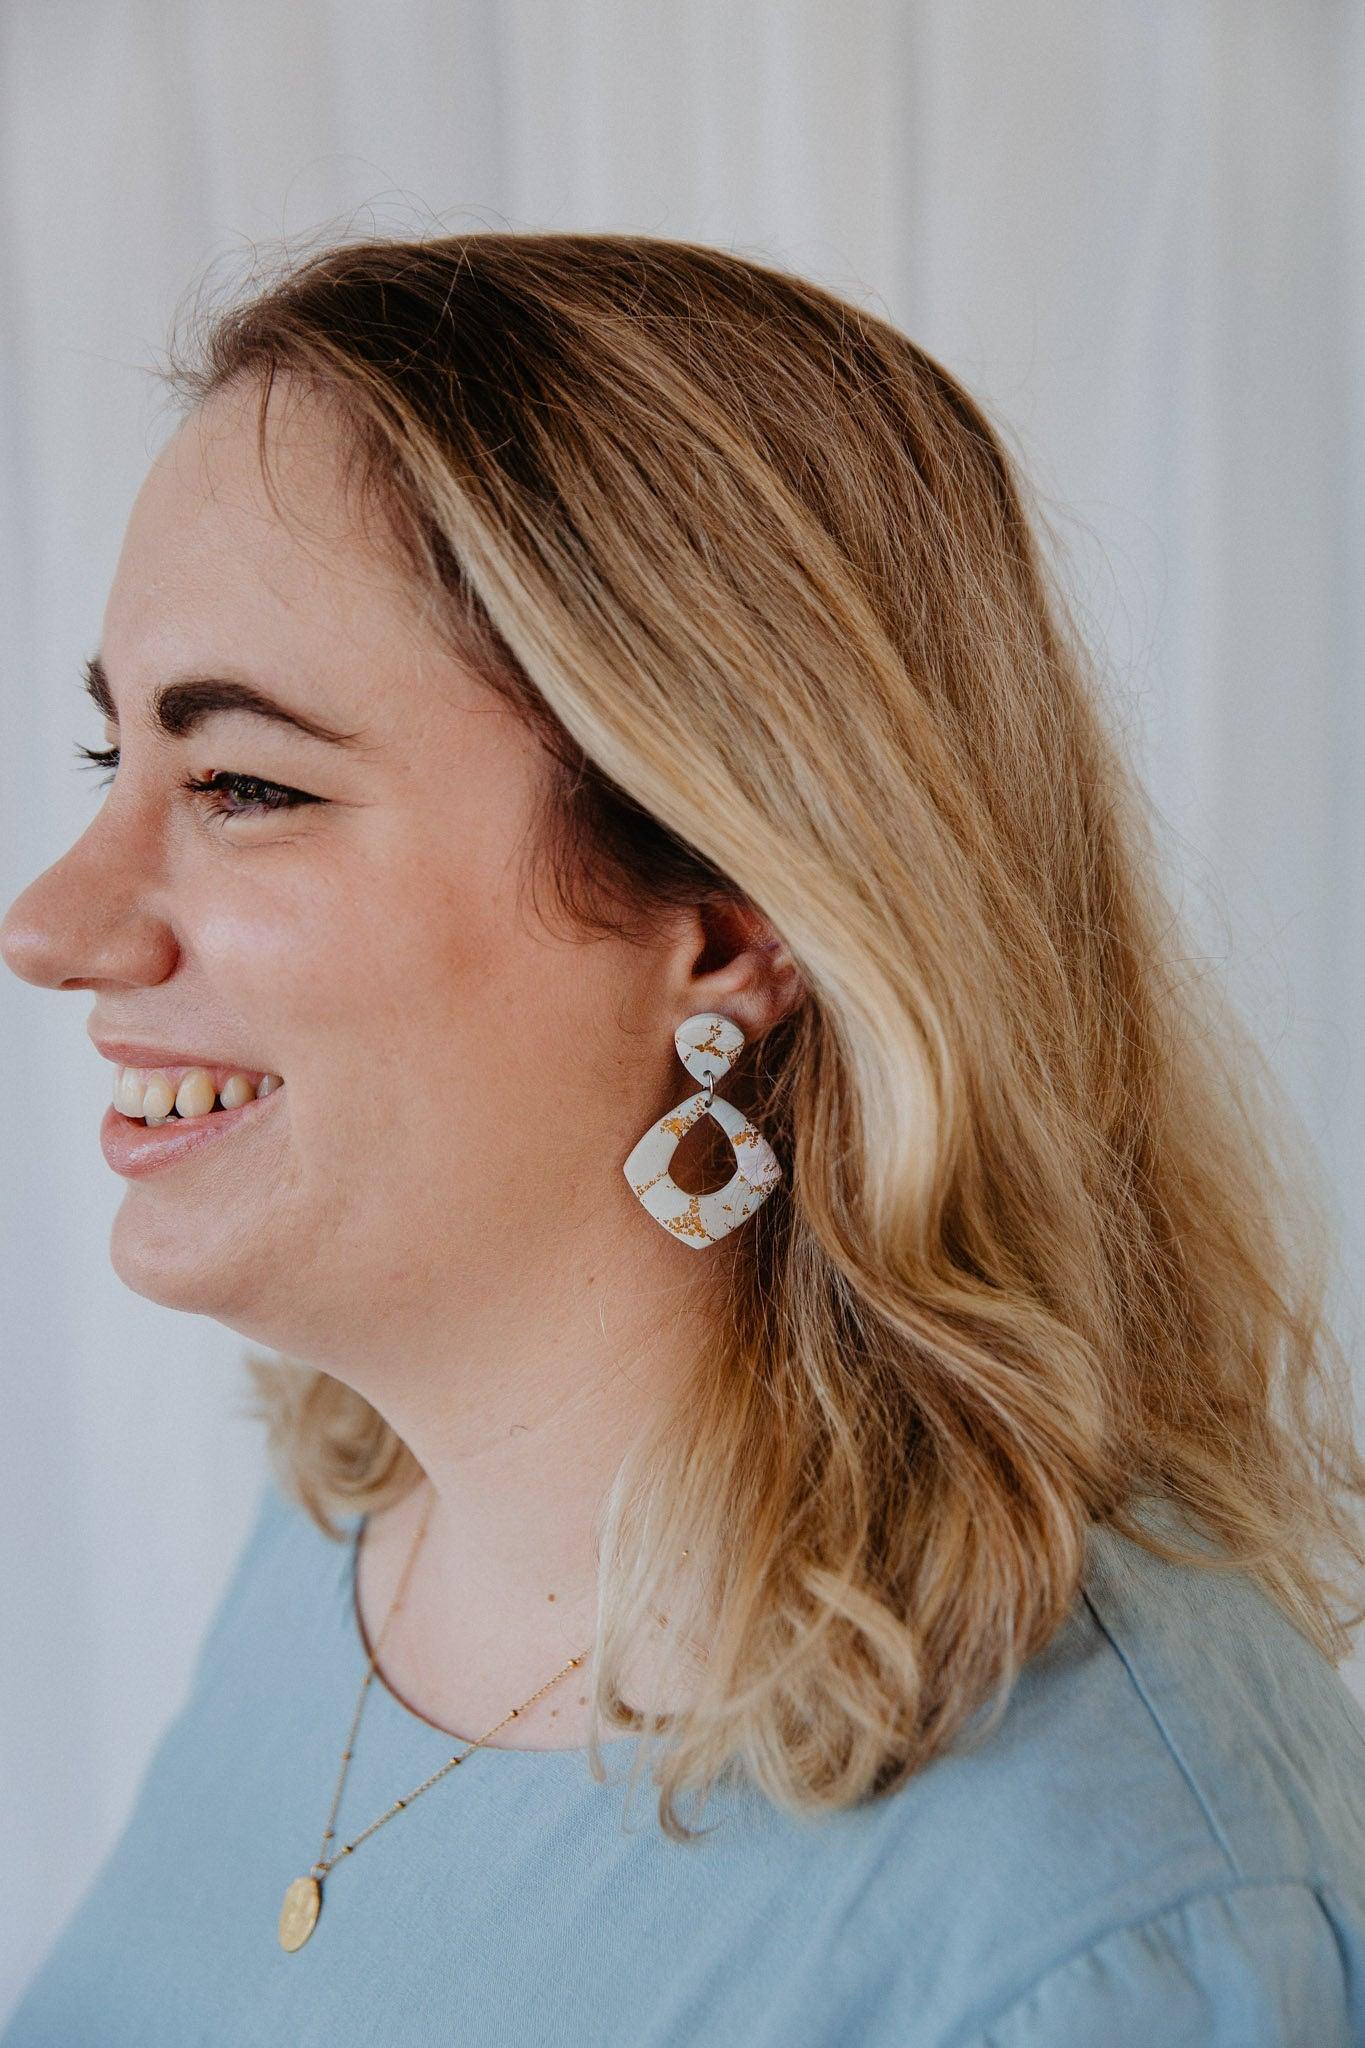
(736, 963)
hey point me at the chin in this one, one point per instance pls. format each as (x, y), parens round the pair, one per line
(153, 1255)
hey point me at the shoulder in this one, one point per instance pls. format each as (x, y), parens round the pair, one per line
(1238, 1966)
(1164, 1832)
(1242, 1707)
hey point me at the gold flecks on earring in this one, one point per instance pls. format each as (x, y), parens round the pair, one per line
(689, 1224)
(708, 1045)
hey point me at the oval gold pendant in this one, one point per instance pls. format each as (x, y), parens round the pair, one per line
(299, 1913)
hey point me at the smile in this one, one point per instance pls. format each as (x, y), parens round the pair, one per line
(181, 1121)
(156, 1093)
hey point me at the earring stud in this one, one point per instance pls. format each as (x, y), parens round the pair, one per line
(708, 1045)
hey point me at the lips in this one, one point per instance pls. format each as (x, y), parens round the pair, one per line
(174, 1064)
(136, 1149)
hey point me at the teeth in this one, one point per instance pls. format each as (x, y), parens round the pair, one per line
(196, 1095)
(129, 1089)
(159, 1100)
(154, 1097)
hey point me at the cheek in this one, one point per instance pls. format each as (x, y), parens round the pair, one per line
(348, 973)
(260, 951)
(466, 1043)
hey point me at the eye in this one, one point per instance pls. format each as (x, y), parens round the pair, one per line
(250, 794)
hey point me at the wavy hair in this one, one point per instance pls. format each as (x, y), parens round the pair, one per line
(1049, 1245)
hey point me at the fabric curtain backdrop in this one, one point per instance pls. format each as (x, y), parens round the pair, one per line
(1135, 230)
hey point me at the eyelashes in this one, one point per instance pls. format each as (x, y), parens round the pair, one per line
(214, 787)
(98, 757)
(251, 793)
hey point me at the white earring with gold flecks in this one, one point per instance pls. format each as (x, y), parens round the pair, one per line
(708, 1046)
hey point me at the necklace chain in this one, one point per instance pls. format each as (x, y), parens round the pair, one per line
(297, 1920)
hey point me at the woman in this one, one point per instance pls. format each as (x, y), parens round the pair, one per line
(560, 685)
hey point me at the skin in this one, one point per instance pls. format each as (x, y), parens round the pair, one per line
(435, 1212)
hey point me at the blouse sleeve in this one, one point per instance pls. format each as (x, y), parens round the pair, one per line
(1251, 1965)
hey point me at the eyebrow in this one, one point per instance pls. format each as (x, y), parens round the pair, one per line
(179, 708)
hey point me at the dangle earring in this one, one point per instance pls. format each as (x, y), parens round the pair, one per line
(708, 1046)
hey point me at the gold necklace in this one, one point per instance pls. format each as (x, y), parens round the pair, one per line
(303, 1896)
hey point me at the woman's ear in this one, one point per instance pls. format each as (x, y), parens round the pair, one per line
(742, 968)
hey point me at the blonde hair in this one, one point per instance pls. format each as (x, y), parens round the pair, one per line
(761, 573)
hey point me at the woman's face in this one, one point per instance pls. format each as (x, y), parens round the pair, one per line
(458, 1080)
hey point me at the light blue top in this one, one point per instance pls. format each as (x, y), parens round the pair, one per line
(1161, 1845)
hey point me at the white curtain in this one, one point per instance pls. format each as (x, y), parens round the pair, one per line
(1134, 227)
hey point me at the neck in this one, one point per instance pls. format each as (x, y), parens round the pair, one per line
(519, 1443)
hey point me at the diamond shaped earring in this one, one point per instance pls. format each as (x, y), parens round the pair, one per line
(708, 1046)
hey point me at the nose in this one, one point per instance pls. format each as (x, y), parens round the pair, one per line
(89, 920)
